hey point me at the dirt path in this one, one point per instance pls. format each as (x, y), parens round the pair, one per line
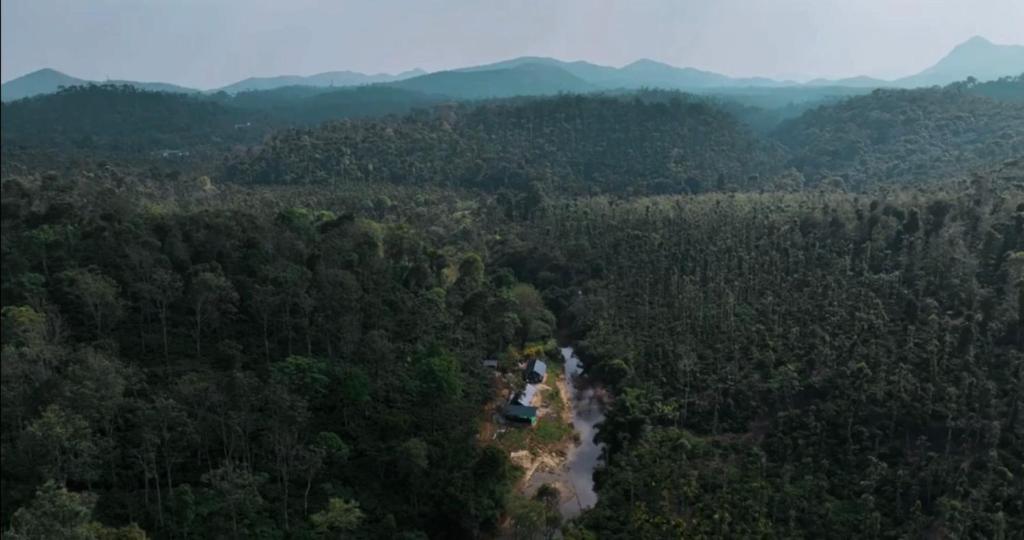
(559, 450)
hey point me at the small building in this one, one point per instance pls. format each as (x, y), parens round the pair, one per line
(490, 363)
(521, 413)
(535, 371)
(525, 396)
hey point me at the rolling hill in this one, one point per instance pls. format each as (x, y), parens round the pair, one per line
(299, 105)
(123, 121)
(43, 81)
(905, 135)
(531, 78)
(533, 75)
(49, 81)
(327, 79)
(568, 143)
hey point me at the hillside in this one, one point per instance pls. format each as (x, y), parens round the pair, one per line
(328, 79)
(49, 81)
(643, 73)
(124, 121)
(904, 135)
(43, 81)
(1003, 89)
(569, 143)
(303, 105)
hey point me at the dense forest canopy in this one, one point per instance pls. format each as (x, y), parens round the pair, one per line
(276, 330)
(121, 121)
(571, 142)
(904, 135)
(803, 367)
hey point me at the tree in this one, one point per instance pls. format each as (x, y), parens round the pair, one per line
(62, 445)
(237, 494)
(162, 291)
(338, 519)
(98, 294)
(212, 296)
(440, 378)
(58, 514)
(536, 322)
(54, 513)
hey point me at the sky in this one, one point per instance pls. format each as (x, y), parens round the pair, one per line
(211, 43)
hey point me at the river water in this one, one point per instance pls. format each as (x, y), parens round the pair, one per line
(587, 412)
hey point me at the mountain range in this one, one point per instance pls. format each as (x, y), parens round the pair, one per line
(48, 81)
(327, 79)
(976, 57)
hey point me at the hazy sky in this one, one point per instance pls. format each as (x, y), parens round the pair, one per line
(207, 43)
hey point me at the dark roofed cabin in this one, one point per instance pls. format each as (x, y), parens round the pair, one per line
(535, 371)
(520, 413)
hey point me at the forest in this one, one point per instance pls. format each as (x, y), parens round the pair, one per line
(264, 315)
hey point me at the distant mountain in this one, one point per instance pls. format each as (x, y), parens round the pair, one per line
(532, 75)
(976, 57)
(151, 86)
(44, 81)
(643, 73)
(326, 79)
(49, 81)
(851, 82)
(659, 75)
(529, 78)
(593, 73)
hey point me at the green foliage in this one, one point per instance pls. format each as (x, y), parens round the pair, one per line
(551, 430)
(810, 358)
(586, 143)
(55, 513)
(439, 378)
(108, 120)
(904, 135)
(339, 517)
(800, 365)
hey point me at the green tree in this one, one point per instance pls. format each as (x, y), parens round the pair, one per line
(340, 518)
(97, 294)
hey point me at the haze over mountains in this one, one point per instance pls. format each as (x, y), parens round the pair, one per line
(327, 79)
(47, 81)
(977, 57)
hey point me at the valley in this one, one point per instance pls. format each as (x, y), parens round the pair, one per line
(528, 299)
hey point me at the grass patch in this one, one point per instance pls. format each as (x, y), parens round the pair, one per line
(553, 399)
(516, 438)
(550, 430)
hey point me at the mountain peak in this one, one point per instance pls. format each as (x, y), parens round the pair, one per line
(40, 81)
(976, 41)
(45, 71)
(646, 63)
(977, 57)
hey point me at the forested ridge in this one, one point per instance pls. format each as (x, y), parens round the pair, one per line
(571, 143)
(905, 135)
(107, 121)
(809, 332)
